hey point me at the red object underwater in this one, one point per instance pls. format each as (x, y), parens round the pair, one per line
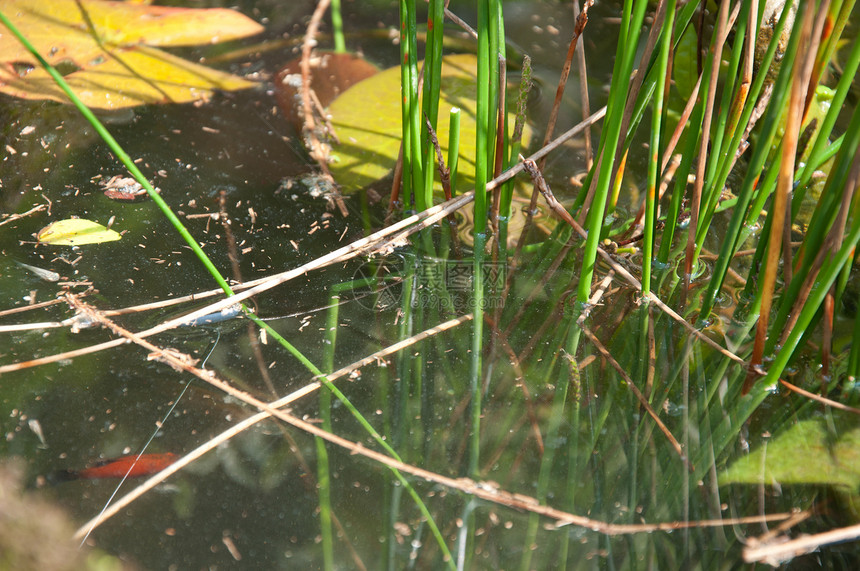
(130, 466)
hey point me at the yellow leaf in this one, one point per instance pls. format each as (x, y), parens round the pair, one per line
(367, 118)
(136, 77)
(66, 29)
(89, 36)
(75, 232)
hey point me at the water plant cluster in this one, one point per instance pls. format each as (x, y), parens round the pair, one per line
(596, 387)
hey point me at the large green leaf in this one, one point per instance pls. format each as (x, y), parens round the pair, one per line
(99, 45)
(803, 454)
(366, 119)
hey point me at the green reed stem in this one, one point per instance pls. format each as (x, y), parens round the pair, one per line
(556, 422)
(820, 226)
(482, 120)
(410, 112)
(574, 458)
(655, 161)
(507, 191)
(337, 27)
(400, 414)
(727, 119)
(812, 236)
(825, 280)
(323, 470)
(818, 146)
(825, 209)
(496, 57)
(853, 368)
(689, 142)
(632, 17)
(759, 155)
(482, 172)
(454, 148)
(431, 92)
(476, 361)
(371, 431)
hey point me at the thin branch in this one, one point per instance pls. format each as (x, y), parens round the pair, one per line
(444, 171)
(579, 28)
(7, 218)
(372, 359)
(696, 199)
(502, 340)
(318, 150)
(819, 398)
(778, 551)
(583, 93)
(483, 490)
(638, 394)
(781, 209)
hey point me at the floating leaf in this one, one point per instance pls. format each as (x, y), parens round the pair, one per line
(99, 46)
(367, 118)
(75, 232)
(331, 75)
(804, 454)
(130, 78)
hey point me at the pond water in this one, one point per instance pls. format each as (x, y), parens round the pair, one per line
(254, 501)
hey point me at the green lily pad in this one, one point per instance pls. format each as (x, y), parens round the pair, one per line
(366, 118)
(804, 454)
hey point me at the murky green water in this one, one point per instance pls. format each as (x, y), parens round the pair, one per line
(253, 502)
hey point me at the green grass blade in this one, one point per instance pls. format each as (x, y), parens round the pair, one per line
(337, 27)
(760, 154)
(633, 15)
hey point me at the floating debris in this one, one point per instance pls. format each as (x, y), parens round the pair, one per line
(47, 275)
(124, 188)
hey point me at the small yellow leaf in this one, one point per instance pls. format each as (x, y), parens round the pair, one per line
(75, 232)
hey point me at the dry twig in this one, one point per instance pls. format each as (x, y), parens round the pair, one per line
(318, 150)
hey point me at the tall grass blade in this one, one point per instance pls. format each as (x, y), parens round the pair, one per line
(337, 27)
(757, 160)
(632, 17)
